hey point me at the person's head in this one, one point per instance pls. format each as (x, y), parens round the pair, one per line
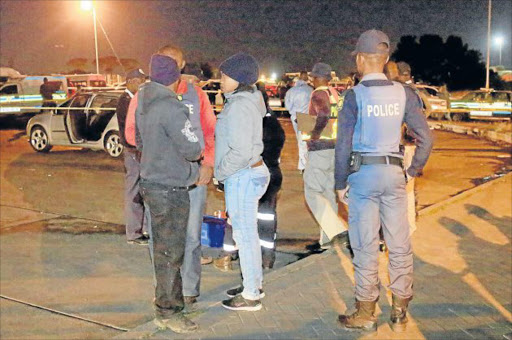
(45, 80)
(238, 71)
(404, 71)
(304, 76)
(391, 71)
(260, 86)
(134, 79)
(164, 70)
(372, 52)
(321, 74)
(175, 53)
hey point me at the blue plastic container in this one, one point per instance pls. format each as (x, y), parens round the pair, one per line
(212, 231)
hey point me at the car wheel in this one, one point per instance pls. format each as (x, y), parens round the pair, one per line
(39, 140)
(113, 144)
(458, 117)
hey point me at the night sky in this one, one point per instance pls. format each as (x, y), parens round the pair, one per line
(41, 36)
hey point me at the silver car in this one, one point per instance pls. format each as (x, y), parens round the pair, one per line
(87, 120)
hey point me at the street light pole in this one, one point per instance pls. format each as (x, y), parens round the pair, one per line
(96, 40)
(88, 5)
(488, 46)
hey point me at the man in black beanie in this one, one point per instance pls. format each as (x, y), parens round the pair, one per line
(169, 169)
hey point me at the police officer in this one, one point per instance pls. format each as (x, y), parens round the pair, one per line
(368, 161)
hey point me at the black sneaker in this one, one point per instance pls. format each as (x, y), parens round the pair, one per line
(177, 323)
(239, 303)
(142, 241)
(341, 239)
(315, 248)
(238, 290)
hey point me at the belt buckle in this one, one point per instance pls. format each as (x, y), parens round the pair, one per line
(387, 160)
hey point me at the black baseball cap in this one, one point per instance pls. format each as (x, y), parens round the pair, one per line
(136, 73)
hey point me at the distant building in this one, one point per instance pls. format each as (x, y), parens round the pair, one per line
(504, 74)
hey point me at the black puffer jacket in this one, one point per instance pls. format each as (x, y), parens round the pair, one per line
(273, 140)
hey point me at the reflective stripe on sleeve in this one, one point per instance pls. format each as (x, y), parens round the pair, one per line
(230, 247)
(266, 244)
(266, 217)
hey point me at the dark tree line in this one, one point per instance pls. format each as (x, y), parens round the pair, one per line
(108, 64)
(449, 62)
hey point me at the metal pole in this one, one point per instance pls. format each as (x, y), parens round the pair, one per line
(488, 46)
(96, 41)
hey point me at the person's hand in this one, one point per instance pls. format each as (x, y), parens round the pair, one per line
(342, 195)
(205, 175)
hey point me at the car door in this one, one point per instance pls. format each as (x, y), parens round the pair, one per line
(75, 119)
(59, 134)
(10, 100)
(100, 112)
(501, 104)
(481, 106)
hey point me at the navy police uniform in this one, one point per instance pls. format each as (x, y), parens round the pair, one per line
(370, 126)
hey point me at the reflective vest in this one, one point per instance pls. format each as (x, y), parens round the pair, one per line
(381, 114)
(336, 103)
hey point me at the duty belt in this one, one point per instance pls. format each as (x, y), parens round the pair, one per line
(190, 187)
(157, 186)
(369, 160)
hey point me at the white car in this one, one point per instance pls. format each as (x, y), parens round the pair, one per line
(434, 106)
(87, 120)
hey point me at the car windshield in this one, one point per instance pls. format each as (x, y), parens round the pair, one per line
(500, 97)
(431, 91)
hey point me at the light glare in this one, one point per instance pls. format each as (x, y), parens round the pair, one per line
(86, 5)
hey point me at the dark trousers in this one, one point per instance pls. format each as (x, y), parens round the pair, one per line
(267, 217)
(135, 219)
(169, 211)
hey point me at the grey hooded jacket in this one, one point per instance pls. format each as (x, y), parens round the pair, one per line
(165, 137)
(239, 133)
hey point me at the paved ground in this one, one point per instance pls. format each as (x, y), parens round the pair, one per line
(62, 245)
(462, 284)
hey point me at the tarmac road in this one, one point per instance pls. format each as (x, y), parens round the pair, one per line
(62, 244)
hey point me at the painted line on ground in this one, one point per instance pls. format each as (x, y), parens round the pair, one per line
(74, 316)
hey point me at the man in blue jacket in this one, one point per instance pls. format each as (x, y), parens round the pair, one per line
(369, 162)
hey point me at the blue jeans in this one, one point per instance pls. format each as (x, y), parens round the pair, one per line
(243, 190)
(377, 197)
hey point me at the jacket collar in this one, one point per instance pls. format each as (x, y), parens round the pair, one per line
(374, 76)
(129, 93)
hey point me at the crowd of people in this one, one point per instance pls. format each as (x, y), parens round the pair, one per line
(349, 151)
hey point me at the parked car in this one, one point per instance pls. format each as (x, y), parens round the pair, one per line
(21, 95)
(482, 104)
(433, 105)
(87, 120)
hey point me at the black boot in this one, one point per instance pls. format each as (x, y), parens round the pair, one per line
(399, 314)
(362, 319)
